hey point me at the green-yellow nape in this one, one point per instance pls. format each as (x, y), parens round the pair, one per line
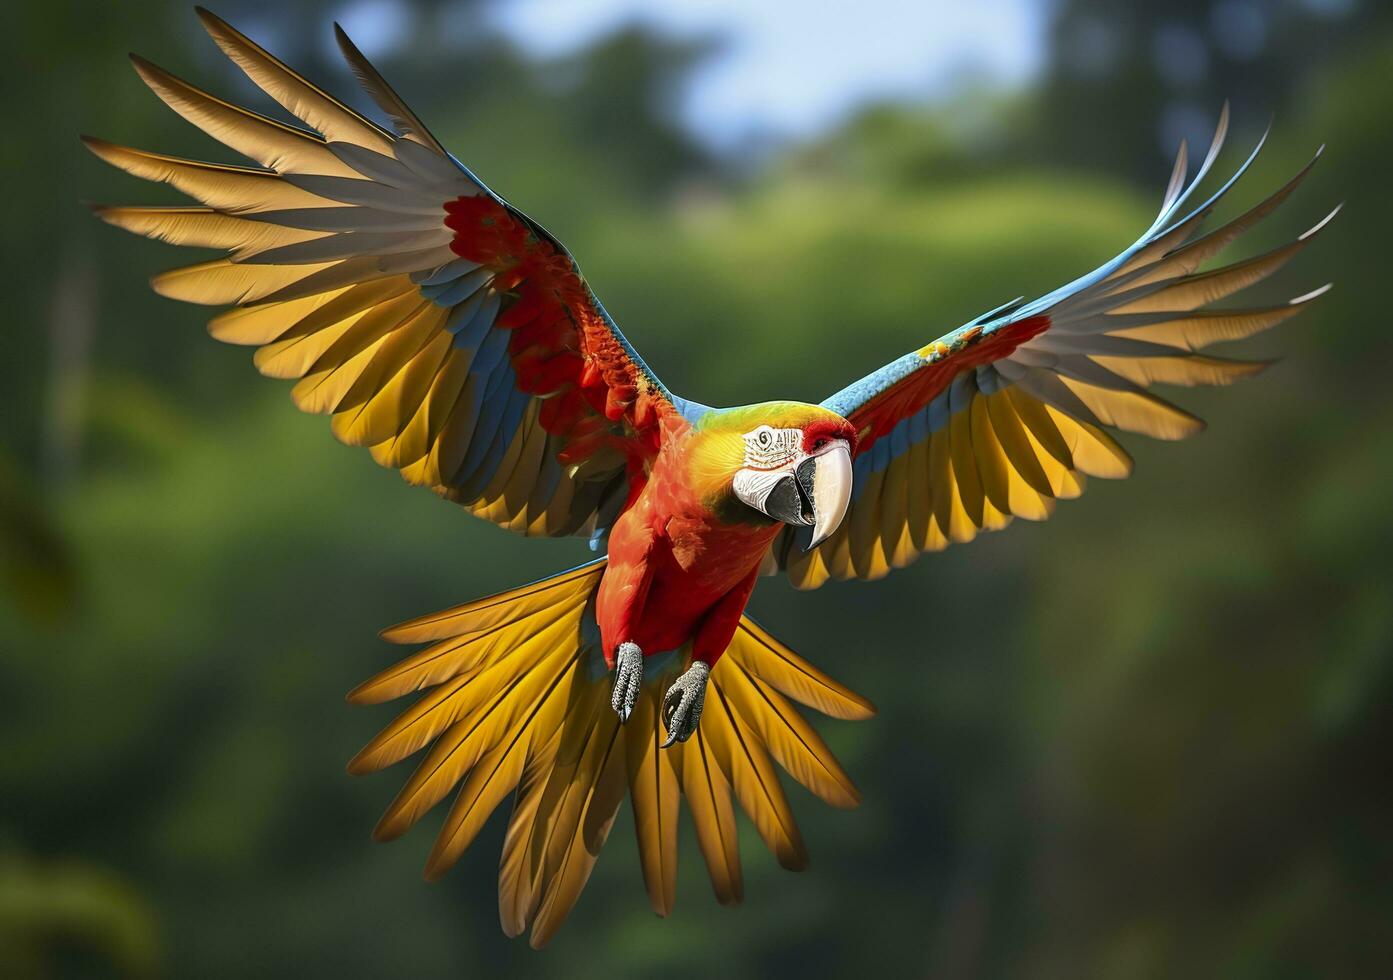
(778, 414)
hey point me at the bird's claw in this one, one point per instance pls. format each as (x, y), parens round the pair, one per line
(628, 678)
(683, 702)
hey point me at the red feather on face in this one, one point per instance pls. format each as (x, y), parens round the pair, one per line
(819, 432)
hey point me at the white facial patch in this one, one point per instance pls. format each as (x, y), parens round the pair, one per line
(768, 448)
(754, 486)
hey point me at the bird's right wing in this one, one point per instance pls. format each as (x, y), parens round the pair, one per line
(438, 325)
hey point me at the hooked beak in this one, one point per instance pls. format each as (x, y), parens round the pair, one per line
(826, 479)
(815, 492)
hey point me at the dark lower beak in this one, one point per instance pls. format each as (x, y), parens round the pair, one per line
(788, 504)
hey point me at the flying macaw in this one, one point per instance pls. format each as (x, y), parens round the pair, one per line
(455, 338)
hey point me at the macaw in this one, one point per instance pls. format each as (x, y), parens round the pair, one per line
(455, 338)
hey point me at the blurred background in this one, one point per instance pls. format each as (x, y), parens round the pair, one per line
(1149, 738)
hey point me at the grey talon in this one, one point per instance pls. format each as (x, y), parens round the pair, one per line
(683, 702)
(628, 678)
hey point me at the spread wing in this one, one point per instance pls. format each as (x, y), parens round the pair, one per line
(1011, 412)
(439, 326)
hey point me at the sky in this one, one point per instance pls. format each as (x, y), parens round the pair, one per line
(793, 68)
(788, 68)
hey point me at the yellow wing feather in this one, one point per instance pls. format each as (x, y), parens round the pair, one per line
(1005, 416)
(707, 792)
(517, 699)
(790, 739)
(747, 765)
(654, 794)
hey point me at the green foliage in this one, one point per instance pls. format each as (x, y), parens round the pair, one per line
(70, 917)
(38, 573)
(1145, 739)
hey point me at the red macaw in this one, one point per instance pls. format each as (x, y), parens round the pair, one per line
(450, 334)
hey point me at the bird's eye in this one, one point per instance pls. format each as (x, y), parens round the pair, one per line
(818, 444)
(764, 436)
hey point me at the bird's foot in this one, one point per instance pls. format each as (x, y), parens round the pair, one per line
(628, 678)
(683, 702)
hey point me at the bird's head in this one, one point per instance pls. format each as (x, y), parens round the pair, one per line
(784, 460)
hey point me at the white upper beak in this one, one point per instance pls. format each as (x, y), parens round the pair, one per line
(831, 491)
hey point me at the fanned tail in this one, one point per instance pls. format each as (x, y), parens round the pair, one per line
(516, 700)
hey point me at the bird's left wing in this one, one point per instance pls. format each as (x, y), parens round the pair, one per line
(1007, 414)
(438, 325)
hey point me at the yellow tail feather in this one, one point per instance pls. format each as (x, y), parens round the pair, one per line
(517, 701)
